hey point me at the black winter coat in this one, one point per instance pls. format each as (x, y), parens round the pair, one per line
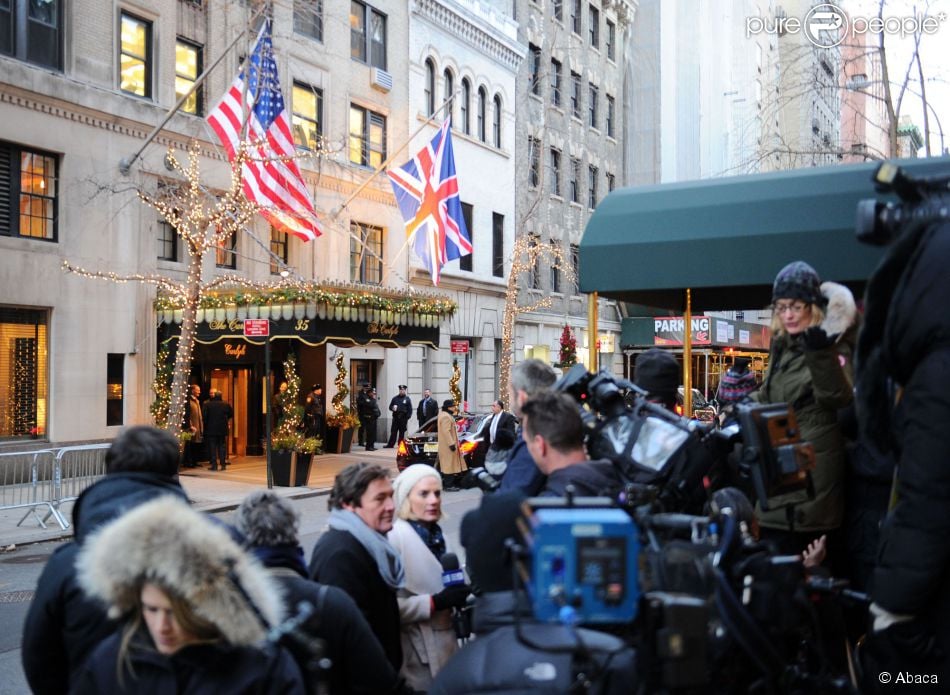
(590, 479)
(196, 669)
(63, 626)
(340, 560)
(426, 410)
(907, 340)
(216, 414)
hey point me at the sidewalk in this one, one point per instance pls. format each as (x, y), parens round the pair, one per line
(209, 491)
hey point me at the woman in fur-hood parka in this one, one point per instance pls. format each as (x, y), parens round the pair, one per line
(814, 328)
(222, 597)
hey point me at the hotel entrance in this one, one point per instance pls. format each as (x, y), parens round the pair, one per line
(233, 383)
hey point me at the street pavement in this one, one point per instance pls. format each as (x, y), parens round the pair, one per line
(24, 549)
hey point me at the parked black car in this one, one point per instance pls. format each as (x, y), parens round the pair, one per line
(422, 446)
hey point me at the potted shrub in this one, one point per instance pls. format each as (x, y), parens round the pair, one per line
(281, 457)
(303, 457)
(340, 427)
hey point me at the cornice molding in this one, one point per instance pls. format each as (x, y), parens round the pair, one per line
(480, 36)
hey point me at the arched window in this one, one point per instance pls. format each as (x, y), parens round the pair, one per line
(482, 105)
(496, 122)
(430, 87)
(448, 82)
(466, 98)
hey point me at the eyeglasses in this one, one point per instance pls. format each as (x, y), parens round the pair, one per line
(793, 307)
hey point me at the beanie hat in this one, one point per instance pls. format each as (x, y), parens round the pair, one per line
(737, 383)
(658, 373)
(798, 280)
(407, 480)
(484, 532)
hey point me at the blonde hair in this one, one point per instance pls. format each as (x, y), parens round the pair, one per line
(817, 316)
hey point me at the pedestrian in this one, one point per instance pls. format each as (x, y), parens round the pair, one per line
(355, 555)
(217, 416)
(194, 425)
(814, 326)
(401, 408)
(528, 378)
(194, 607)
(427, 409)
(357, 663)
(425, 605)
(500, 419)
(63, 625)
(314, 412)
(735, 386)
(450, 456)
(367, 408)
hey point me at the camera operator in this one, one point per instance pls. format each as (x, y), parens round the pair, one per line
(903, 407)
(512, 652)
(527, 379)
(554, 435)
(657, 372)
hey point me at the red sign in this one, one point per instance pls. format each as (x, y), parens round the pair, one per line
(254, 328)
(460, 346)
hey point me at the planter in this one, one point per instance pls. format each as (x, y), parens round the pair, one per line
(311, 311)
(339, 441)
(301, 470)
(280, 464)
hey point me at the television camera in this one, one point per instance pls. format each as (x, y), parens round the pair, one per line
(922, 200)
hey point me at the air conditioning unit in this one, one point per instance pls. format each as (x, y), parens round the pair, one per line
(381, 80)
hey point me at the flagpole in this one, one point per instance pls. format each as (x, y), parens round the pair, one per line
(125, 165)
(395, 154)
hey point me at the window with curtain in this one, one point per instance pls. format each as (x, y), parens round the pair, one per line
(367, 137)
(135, 56)
(307, 116)
(279, 242)
(187, 69)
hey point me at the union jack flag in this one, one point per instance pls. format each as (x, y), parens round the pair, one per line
(427, 192)
(272, 178)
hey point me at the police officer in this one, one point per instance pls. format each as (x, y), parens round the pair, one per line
(401, 408)
(368, 411)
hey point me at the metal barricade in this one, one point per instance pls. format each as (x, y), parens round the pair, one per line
(77, 467)
(27, 481)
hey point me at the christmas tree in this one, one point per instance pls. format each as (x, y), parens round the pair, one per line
(568, 357)
(291, 412)
(162, 386)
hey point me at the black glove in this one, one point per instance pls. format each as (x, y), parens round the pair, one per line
(815, 338)
(451, 447)
(451, 597)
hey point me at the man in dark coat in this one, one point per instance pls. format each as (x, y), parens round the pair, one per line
(903, 380)
(358, 664)
(528, 378)
(427, 409)
(401, 408)
(367, 409)
(193, 424)
(355, 555)
(63, 625)
(217, 419)
(314, 413)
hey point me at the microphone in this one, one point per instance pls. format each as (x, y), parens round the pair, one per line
(452, 573)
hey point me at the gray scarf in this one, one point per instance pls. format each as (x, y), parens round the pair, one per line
(386, 557)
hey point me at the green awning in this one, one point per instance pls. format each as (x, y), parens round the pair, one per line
(727, 238)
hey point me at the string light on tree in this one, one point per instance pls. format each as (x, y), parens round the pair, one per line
(568, 355)
(454, 383)
(288, 400)
(162, 386)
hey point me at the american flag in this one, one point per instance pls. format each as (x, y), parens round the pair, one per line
(427, 192)
(272, 178)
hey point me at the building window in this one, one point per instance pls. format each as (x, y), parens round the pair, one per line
(31, 30)
(430, 87)
(308, 18)
(611, 182)
(167, 242)
(535, 273)
(593, 18)
(466, 262)
(307, 116)
(575, 266)
(575, 180)
(448, 84)
(367, 35)
(535, 65)
(187, 69)
(28, 193)
(611, 40)
(497, 245)
(366, 255)
(611, 106)
(278, 250)
(576, 17)
(575, 95)
(367, 137)
(592, 187)
(482, 105)
(496, 122)
(555, 277)
(555, 82)
(534, 156)
(135, 56)
(225, 255)
(592, 93)
(555, 171)
(558, 10)
(115, 384)
(24, 355)
(466, 101)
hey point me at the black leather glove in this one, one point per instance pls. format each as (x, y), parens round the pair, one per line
(451, 597)
(815, 338)
(451, 447)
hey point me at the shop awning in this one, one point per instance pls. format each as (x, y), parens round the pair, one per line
(727, 238)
